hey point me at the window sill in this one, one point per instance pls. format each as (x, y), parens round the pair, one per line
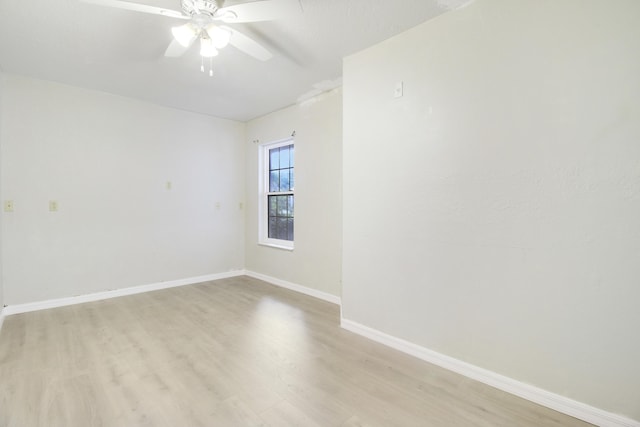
(273, 245)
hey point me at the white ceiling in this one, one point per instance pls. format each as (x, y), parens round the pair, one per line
(121, 52)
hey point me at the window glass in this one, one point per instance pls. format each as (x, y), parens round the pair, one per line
(279, 199)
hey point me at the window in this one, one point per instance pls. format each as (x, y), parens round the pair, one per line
(277, 194)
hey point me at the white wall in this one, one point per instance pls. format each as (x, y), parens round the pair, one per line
(106, 161)
(315, 261)
(493, 213)
(2, 84)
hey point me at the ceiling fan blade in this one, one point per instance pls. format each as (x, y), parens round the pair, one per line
(249, 46)
(119, 4)
(262, 10)
(175, 49)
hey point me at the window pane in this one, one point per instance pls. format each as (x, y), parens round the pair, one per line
(291, 156)
(273, 206)
(274, 181)
(284, 157)
(274, 159)
(290, 229)
(291, 182)
(284, 180)
(281, 227)
(290, 206)
(282, 206)
(272, 228)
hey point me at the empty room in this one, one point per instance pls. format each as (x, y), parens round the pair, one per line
(320, 213)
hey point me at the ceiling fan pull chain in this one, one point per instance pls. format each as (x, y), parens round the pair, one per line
(211, 67)
(202, 64)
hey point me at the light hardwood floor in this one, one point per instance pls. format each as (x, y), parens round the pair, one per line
(233, 352)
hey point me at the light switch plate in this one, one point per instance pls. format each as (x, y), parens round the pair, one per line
(8, 205)
(399, 90)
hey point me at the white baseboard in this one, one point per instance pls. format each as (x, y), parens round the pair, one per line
(295, 287)
(542, 397)
(1, 317)
(61, 302)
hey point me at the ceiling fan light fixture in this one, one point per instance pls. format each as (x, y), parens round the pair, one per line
(185, 34)
(220, 36)
(207, 49)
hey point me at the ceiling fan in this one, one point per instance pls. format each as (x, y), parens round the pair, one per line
(204, 18)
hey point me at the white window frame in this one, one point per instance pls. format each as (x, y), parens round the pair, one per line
(263, 193)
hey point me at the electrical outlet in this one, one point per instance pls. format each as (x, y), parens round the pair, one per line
(53, 206)
(169, 185)
(8, 205)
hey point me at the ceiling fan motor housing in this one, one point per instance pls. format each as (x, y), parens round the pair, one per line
(201, 7)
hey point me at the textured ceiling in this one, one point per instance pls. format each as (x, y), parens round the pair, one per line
(121, 52)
